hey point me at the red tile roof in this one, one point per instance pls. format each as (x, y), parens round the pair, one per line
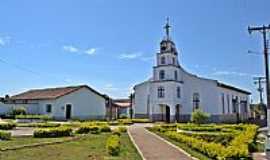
(123, 103)
(50, 93)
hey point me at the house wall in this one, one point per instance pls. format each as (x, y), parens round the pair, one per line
(85, 105)
(142, 97)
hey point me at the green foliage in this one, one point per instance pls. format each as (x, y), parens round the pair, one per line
(34, 116)
(5, 135)
(142, 120)
(113, 123)
(235, 144)
(122, 129)
(7, 125)
(85, 129)
(199, 117)
(113, 145)
(52, 132)
(39, 125)
(105, 128)
(125, 121)
(18, 111)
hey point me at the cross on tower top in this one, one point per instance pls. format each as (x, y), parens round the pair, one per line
(167, 28)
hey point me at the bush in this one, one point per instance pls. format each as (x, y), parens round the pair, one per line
(105, 128)
(39, 125)
(34, 116)
(141, 121)
(7, 125)
(125, 121)
(122, 129)
(113, 123)
(199, 117)
(53, 132)
(5, 135)
(113, 145)
(18, 111)
(88, 129)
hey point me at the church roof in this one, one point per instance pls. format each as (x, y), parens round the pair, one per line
(223, 85)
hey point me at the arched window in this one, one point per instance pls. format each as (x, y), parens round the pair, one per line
(178, 92)
(161, 74)
(161, 92)
(163, 60)
(175, 75)
(196, 101)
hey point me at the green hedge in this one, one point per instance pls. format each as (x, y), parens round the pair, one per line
(238, 147)
(53, 132)
(5, 135)
(88, 129)
(39, 125)
(7, 125)
(105, 128)
(138, 120)
(125, 121)
(33, 116)
(113, 145)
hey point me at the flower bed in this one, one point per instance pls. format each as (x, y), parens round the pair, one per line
(236, 148)
(39, 125)
(53, 132)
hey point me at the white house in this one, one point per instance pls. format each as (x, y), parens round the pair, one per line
(172, 93)
(73, 102)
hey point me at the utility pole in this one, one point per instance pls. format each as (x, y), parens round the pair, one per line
(259, 81)
(264, 29)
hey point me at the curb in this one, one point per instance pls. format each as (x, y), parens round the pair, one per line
(136, 146)
(171, 144)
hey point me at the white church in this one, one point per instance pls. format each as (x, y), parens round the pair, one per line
(172, 93)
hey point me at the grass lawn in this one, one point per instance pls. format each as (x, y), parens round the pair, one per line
(19, 141)
(91, 147)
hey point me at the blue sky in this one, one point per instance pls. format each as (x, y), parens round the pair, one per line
(111, 45)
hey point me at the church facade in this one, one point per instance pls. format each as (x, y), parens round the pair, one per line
(172, 93)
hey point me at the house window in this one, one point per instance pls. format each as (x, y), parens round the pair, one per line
(175, 75)
(161, 74)
(163, 60)
(223, 103)
(178, 90)
(48, 108)
(196, 101)
(161, 92)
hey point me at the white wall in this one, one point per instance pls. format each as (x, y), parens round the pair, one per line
(85, 105)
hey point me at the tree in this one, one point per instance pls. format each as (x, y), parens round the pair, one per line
(199, 117)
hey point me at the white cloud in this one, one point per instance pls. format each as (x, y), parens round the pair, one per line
(4, 40)
(130, 55)
(70, 48)
(91, 51)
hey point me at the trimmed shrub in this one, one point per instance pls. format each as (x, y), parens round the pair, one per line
(39, 125)
(113, 145)
(113, 123)
(18, 111)
(116, 132)
(122, 129)
(34, 116)
(199, 117)
(88, 129)
(141, 120)
(5, 135)
(125, 121)
(105, 128)
(53, 132)
(7, 125)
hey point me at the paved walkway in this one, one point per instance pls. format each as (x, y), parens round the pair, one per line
(22, 131)
(154, 148)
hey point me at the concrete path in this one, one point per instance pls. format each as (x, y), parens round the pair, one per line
(152, 147)
(22, 131)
